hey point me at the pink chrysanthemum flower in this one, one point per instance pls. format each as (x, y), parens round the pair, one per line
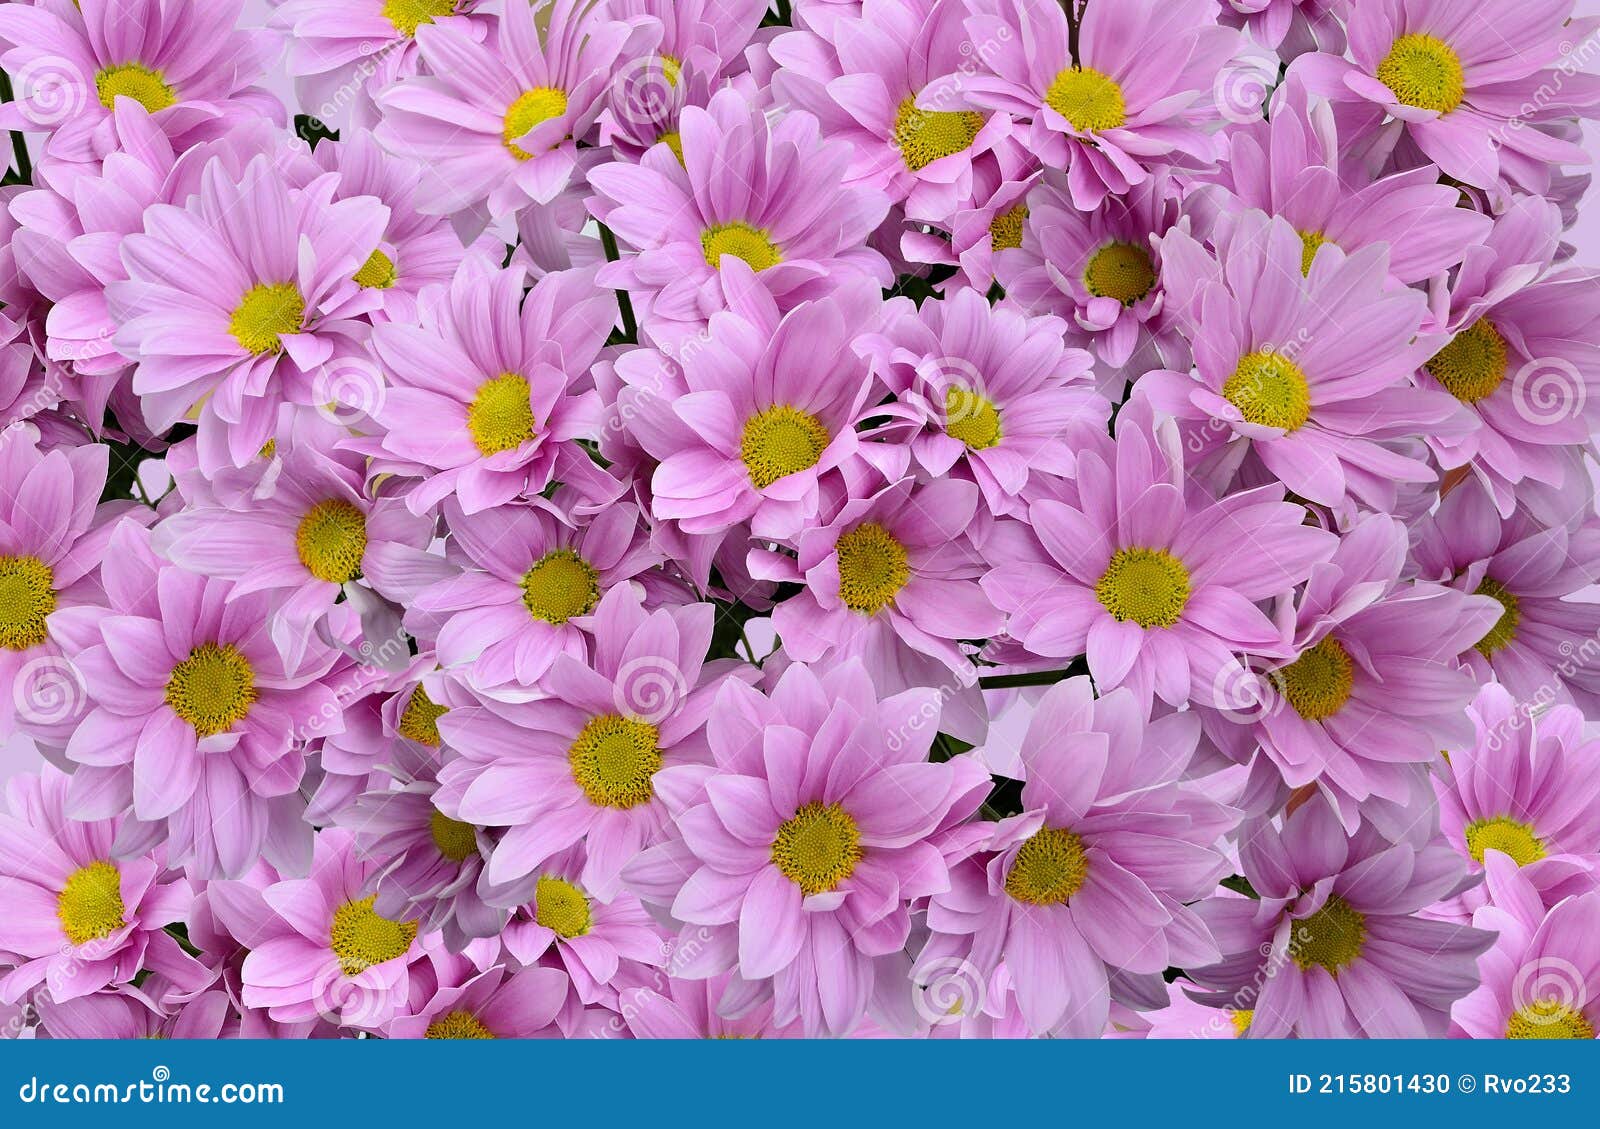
(1157, 589)
(417, 250)
(1095, 873)
(1309, 370)
(1541, 647)
(892, 580)
(768, 408)
(185, 61)
(323, 950)
(1289, 166)
(1334, 947)
(195, 715)
(982, 392)
(583, 763)
(1526, 788)
(223, 307)
(1135, 94)
(988, 229)
(1289, 27)
(1375, 688)
(1461, 79)
(484, 395)
(1100, 270)
(1522, 364)
(769, 194)
(52, 539)
(497, 121)
(594, 939)
(80, 914)
(317, 533)
(1186, 1018)
(868, 81)
(812, 839)
(498, 1003)
(1540, 978)
(530, 574)
(343, 54)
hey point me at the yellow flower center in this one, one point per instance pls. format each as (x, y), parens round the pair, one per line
(1309, 242)
(1005, 230)
(377, 273)
(1548, 1019)
(561, 907)
(872, 568)
(1318, 683)
(1473, 364)
(1148, 586)
(1241, 1020)
(362, 939)
(419, 721)
(266, 312)
(212, 689)
(27, 597)
(1506, 835)
(560, 585)
(531, 107)
(408, 15)
(458, 1024)
(614, 759)
(331, 540)
(971, 418)
(1049, 868)
(781, 441)
(671, 68)
(1120, 270)
(752, 244)
(90, 904)
(923, 136)
(674, 141)
(1505, 628)
(456, 841)
(500, 417)
(818, 848)
(1423, 72)
(1269, 389)
(145, 85)
(1332, 937)
(1087, 98)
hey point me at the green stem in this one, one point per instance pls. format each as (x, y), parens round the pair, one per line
(1030, 678)
(19, 143)
(630, 328)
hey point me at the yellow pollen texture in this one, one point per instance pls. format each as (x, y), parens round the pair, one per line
(89, 906)
(1424, 72)
(500, 417)
(458, 1024)
(781, 441)
(1319, 682)
(27, 597)
(408, 15)
(145, 85)
(532, 107)
(456, 841)
(1050, 867)
(1330, 938)
(361, 938)
(419, 721)
(614, 759)
(1506, 835)
(1087, 98)
(924, 136)
(972, 418)
(1120, 270)
(1473, 364)
(1148, 586)
(212, 689)
(265, 313)
(561, 907)
(377, 273)
(560, 585)
(331, 540)
(872, 568)
(1505, 628)
(1269, 389)
(817, 848)
(752, 244)
(1005, 230)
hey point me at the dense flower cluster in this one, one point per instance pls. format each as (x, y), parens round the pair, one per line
(661, 518)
